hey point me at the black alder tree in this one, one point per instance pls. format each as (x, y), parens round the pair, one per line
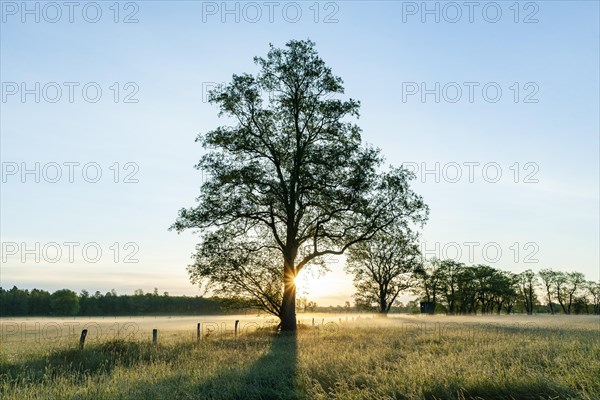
(290, 181)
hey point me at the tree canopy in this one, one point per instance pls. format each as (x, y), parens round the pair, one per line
(290, 173)
(384, 266)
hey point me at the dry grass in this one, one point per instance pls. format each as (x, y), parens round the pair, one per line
(538, 357)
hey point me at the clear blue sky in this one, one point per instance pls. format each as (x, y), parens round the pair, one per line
(382, 50)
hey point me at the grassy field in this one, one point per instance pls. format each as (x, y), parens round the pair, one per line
(341, 357)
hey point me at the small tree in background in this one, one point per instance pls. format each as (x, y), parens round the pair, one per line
(548, 277)
(384, 267)
(567, 284)
(527, 283)
(64, 302)
(593, 289)
(450, 273)
(429, 284)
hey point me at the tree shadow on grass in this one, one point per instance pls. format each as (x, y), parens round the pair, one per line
(272, 376)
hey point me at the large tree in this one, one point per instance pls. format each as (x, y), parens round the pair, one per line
(292, 168)
(384, 267)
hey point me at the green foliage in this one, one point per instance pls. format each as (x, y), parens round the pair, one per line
(64, 302)
(18, 302)
(462, 289)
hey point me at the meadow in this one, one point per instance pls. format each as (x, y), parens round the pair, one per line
(340, 357)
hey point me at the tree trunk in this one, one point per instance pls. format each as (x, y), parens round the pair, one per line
(570, 303)
(550, 301)
(288, 306)
(562, 305)
(382, 302)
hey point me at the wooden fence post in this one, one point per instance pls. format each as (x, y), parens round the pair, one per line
(313, 321)
(198, 333)
(82, 338)
(237, 322)
(154, 337)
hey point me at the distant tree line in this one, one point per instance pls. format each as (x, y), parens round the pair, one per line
(391, 263)
(456, 288)
(64, 302)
